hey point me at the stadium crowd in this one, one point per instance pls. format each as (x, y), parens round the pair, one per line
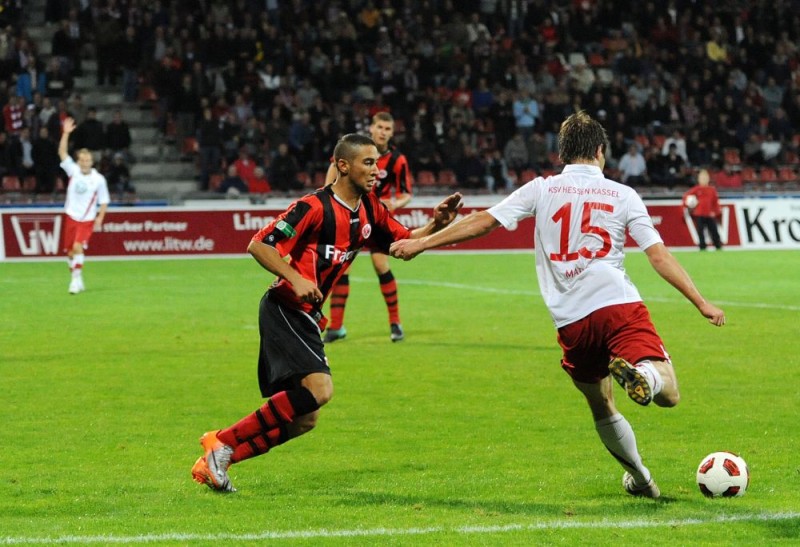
(477, 88)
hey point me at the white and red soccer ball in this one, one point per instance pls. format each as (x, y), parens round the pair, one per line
(723, 474)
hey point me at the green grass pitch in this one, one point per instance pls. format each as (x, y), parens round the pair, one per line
(467, 433)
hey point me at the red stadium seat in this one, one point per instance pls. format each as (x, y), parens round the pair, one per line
(11, 184)
(527, 175)
(643, 140)
(597, 60)
(726, 179)
(426, 178)
(786, 173)
(768, 174)
(749, 174)
(732, 156)
(447, 178)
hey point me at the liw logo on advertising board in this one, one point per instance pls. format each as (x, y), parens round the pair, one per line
(37, 235)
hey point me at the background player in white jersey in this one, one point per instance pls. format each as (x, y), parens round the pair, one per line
(85, 191)
(603, 327)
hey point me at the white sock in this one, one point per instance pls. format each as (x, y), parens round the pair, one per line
(618, 437)
(649, 370)
(77, 266)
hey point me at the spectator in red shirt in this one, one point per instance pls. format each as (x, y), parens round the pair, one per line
(259, 184)
(13, 113)
(702, 201)
(245, 166)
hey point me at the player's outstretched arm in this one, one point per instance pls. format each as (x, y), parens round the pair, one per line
(668, 267)
(443, 214)
(63, 144)
(474, 225)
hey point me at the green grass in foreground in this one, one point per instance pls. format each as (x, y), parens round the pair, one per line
(466, 433)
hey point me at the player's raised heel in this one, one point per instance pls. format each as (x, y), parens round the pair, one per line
(634, 382)
(212, 468)
(202, 475)
(649, 490)
(397, 334)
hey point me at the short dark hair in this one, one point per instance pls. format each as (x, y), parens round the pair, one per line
(579, 137)
(382, 116)
(347, 145)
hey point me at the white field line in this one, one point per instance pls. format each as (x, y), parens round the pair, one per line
(514, 292)
(398, 532)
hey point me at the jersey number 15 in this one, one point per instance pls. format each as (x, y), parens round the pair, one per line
(564, 216)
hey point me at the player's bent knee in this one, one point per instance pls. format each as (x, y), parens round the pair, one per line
(321, 387)
(324, 397)
(667, 400)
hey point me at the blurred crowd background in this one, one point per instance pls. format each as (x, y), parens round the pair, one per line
(255, 93)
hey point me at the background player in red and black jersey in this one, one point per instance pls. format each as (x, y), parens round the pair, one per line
(321, 234)
(394, 190)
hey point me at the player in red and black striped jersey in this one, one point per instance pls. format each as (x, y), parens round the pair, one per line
(394, 190)
(320, 234)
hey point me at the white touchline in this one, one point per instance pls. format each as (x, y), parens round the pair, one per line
(513, 292)
(389, 532)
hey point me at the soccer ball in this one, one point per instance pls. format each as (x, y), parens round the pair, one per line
(690, 201)
(723, 474)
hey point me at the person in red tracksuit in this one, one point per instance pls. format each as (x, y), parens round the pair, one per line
(705, 211)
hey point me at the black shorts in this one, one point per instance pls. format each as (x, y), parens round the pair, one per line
(291, 347)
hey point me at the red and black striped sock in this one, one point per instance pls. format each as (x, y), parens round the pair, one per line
(279, 410)
(389, 291)
(260, 444)
(338, 301)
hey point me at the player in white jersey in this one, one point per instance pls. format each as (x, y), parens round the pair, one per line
(604, 329)
(85, 206)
